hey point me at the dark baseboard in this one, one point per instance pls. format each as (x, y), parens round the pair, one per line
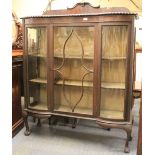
(17, 127)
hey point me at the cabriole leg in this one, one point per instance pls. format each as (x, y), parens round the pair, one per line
(27, 131)
(129, 138)
(126, 127)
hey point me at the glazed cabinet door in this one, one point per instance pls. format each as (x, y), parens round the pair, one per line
(73, 69)
(114, 52)
(37, 67)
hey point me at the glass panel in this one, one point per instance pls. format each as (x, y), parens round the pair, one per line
(114, 42)
(37, 41)
(112, 103)
(37, 67)
(113, 70)
(73, 66)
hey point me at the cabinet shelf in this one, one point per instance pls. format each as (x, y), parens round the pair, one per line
(113, 58)
(74, 57)
(90, 84)
(38, 106)
(39, 80)
(113, 85)
(37, 55)
(63, 108)
(111, 114)
(75, 83)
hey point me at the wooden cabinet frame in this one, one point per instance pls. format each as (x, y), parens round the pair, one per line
(83, 15)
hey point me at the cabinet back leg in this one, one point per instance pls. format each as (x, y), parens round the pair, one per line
(49, 120)
(39, 123)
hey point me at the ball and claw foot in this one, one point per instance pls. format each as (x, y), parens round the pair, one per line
(27, 132)
(108, 129)
(126, 149)
(73, 126)
(130, 139)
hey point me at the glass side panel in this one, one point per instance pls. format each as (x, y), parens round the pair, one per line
(37, 67)
(114, 41)
(113, 71)
(73, 67)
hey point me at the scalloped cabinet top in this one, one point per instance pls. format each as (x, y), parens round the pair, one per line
(82, 9)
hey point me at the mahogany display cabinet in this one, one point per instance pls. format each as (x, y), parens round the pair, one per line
(78, 63)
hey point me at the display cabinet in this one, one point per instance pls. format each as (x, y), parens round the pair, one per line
(78, 63)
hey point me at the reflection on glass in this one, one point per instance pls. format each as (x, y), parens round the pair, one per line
(114, 53)
(73, 67)
(37, 64)
(37, 41)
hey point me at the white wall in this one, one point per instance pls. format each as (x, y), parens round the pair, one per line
(139, 67)
(28, 7)
(139, 37)
(36, 7)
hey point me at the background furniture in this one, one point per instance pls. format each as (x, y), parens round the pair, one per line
(17, 76)
(17, 70)
(79, 63)
(137, 87)
(137, 93)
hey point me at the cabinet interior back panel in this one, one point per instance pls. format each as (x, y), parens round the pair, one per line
(38, 95)
(75, 39)
(114, 41)
(73, 98)
(113, 71)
